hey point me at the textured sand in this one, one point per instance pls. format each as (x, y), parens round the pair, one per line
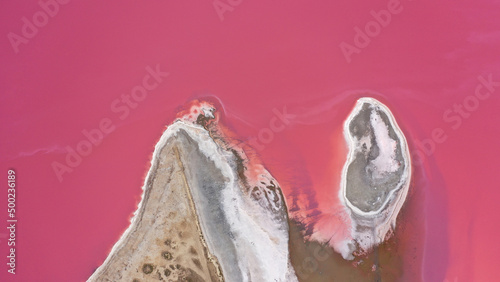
(208, 213)
(164, 241)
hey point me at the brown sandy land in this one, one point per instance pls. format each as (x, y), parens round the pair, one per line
(165, 242)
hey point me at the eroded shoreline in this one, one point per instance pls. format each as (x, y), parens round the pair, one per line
(376, 176)
(208, 213)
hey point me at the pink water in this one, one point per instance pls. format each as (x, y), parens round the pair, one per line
(264, 55)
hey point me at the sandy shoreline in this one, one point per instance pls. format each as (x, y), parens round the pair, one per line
(164, 240)
(208, 213)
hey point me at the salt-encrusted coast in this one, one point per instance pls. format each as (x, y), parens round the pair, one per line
(209, 212)
(376, 176)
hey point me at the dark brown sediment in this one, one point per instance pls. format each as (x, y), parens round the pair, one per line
(399, 258)
(318, 262)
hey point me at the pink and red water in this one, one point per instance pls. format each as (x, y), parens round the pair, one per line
(262, 56)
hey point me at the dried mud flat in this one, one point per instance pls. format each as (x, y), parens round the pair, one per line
(208, 213)
(164, 241)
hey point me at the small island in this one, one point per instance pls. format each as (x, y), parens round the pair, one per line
(376, 176)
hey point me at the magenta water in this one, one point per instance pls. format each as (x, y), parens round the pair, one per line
(286, 76)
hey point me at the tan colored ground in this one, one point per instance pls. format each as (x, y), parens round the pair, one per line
(165, 242)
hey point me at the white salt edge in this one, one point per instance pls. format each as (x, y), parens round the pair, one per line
(396, 197)
(274, 259)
